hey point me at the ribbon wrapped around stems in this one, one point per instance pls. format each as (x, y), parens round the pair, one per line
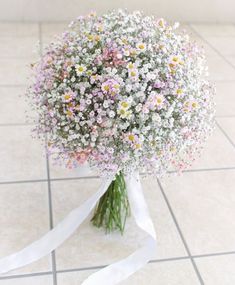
(112, 274)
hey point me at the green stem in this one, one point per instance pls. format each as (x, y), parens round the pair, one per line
(113, 208)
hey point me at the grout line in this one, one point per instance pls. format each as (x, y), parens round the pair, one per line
(23, 181)
(214, 254)
(206, 169)
(97, 177)
(25, 275)
(215, 49)
(226, 135)
(53, 256)
(181, 234)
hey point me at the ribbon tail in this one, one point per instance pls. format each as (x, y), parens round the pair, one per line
(55, 237)
(119, 271)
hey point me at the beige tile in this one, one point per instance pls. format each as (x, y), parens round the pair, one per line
(10, 29)
(90, 246)
(51, 29)
(186, 28)
(23, 219)
(165, 273)
(217, 270)
(61, 171)
(203, 203)
(225, 45)
(209, 51)
(19, 47)
(39, 280)
(225, 98)
(215, 30)
(231, 59)
(219, 69)
(217, 152)
(22, 158)
(14, 107)
(228, 125)
(15, 71)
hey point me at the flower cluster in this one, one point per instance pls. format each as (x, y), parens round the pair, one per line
(123, 92)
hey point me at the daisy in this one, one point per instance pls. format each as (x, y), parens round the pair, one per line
(141, 47)
(80, 69)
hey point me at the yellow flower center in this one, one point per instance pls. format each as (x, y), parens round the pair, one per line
(67, 96)
(131, 138)
(133, 73)
(124, 104)
(90, 37)
(175, 59)
(100, 28)
(116, 86)
(80, 69)
(161, 23)
(179, 91)
(106, 88)
(137, 146)
(141, 46)
(69, 113)
(122, 112)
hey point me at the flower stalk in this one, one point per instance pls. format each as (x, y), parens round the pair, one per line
(113, 208)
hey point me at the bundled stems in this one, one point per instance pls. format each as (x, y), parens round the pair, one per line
(113, 207)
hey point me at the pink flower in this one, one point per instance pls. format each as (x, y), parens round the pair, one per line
(112, 57)
(110, 87)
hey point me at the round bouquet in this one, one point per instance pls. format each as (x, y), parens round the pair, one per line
(122, 93)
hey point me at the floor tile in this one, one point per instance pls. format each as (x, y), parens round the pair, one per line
(209, 51)
(19, 47)
(15, 71)
(23, 219)
(37, 280)
(217, 270)
(203, 203)
(225, 98)
(164, 273)
(61, 171)
(50, 30)
(214, 30)
(90, 246)
(219, 69)
(231, 59)
(225, 45)
(10, 29)
(227, 125)
(14, 108)
(22, 158)
(217, 152)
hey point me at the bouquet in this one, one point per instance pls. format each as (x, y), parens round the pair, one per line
(123, 93)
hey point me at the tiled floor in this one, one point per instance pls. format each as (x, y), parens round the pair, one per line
(193, 214)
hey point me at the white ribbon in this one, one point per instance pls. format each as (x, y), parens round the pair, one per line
(112, 274)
